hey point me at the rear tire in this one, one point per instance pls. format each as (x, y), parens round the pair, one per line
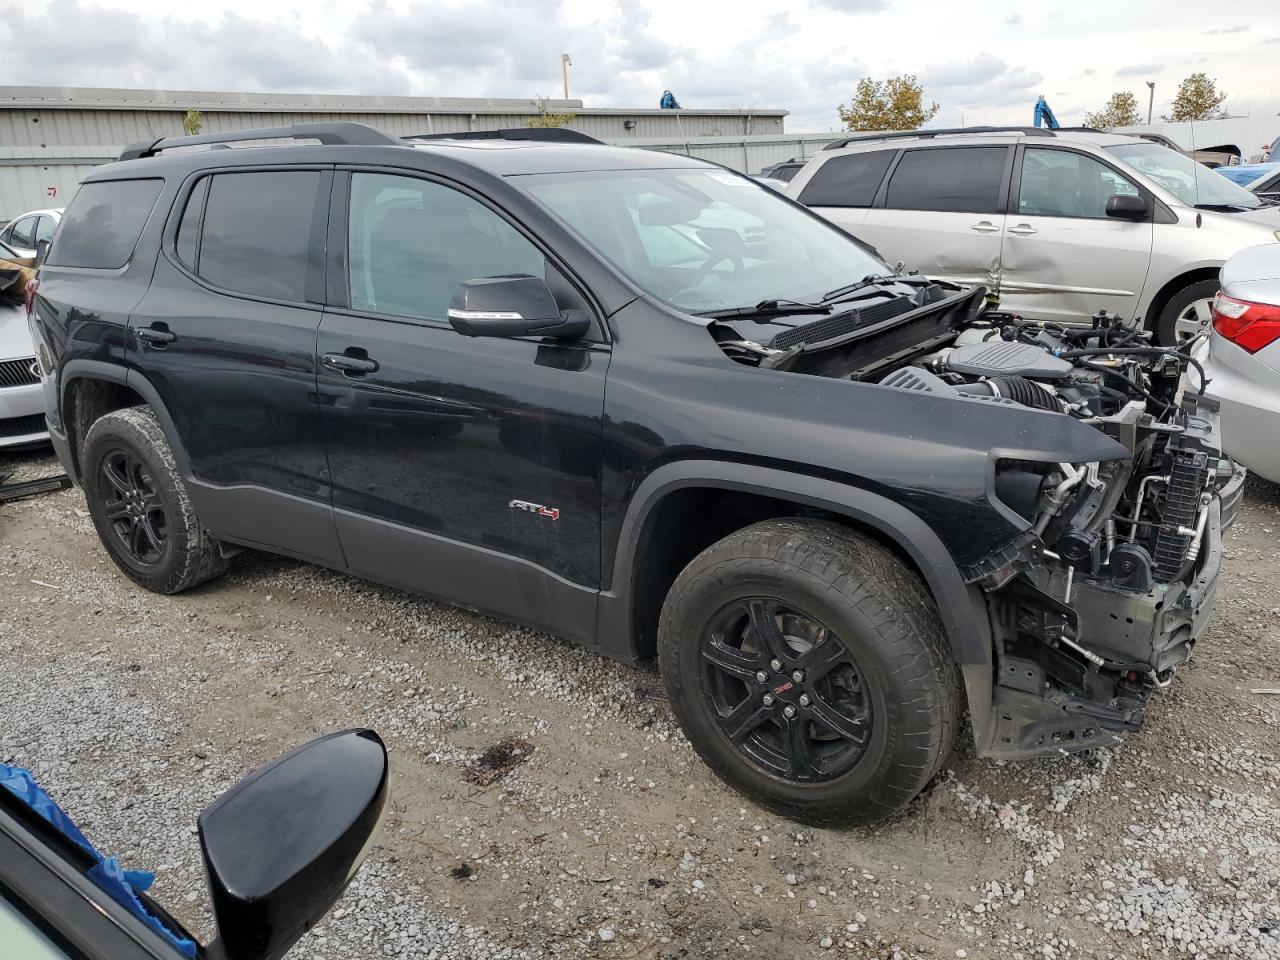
(840, 603)
(1187, 314)
(140, 506)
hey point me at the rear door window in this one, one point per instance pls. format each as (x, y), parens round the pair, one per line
(848, 181)
(103, 223)
(257, 230)
(948, 180)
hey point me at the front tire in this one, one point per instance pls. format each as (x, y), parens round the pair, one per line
(140, 506)
(1187, 314)
(808, 667)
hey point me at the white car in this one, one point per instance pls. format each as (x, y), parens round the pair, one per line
(1058, 224)
(22, 422)
(1241, 358)
(23, 233)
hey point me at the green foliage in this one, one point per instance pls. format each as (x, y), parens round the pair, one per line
(893, 104)
(1121, 111)
(545, 118)
(1198, 99)
(192, 122)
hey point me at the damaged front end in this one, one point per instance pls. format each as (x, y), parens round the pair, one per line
(1106, 582)
(1118, 584)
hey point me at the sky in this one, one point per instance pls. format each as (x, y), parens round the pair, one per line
(981, 61)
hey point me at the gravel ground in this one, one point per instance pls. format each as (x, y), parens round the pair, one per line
(606, 837)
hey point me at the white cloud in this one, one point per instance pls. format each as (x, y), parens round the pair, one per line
(805, 56)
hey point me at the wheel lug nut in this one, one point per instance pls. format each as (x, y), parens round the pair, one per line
(804, 699)
(775, 665)
(767, 700)
(798, 676)
(761, 676)
(788, 711)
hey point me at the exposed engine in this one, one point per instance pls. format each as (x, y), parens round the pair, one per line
(1104, 594)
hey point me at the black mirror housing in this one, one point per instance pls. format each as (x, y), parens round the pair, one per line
(280, 846)
(42, 251)
(1125, 207)
(513, 306)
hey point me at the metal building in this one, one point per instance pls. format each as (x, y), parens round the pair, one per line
(50, 137)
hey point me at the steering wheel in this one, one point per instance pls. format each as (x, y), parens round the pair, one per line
(717, 256)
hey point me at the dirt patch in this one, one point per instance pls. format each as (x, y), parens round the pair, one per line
(499, 760)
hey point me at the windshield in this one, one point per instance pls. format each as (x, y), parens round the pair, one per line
(1191, 182)
(704, 239)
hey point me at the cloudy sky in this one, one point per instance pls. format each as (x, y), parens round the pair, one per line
(980, 60)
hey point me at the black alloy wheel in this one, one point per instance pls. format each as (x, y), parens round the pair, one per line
(133, 506)
(785, 690)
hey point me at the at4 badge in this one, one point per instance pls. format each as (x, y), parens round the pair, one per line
(536, 508)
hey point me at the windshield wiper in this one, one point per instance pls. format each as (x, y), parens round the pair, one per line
(1225, 207)
(868, 280)
(766, 308)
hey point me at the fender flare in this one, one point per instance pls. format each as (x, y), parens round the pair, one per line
(82, 369)
(963, 613)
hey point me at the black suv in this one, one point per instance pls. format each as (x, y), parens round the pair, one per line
(646, 404)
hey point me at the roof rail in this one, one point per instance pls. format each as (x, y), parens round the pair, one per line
(926, 134)
(545, 134)
(340, 133)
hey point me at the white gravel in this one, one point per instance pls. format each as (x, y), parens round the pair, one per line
(610, 839)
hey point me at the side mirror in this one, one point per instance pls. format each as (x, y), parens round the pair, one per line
(280, 846)
(514, 306)
(1125, 207)
(42, 251)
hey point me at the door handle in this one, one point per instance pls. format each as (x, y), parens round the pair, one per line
(984, 226)
(157, 335)
(350, 363)
(1023, 230)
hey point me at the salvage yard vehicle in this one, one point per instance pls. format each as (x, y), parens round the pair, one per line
(648, 405)
(1057, 223)
(22, 422)
(279, 848)
(25, 232)
(1241, 358)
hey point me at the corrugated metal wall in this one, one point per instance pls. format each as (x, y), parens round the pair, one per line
(1247, 133)
(50, 137)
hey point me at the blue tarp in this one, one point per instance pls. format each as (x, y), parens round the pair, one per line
(669, 101)
(123, 885)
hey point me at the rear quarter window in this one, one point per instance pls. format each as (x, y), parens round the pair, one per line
(848, 181)
(102, 226)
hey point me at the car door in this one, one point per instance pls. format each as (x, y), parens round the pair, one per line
(941, 212)
(1063, 258)
(464, 468)
(226, 335)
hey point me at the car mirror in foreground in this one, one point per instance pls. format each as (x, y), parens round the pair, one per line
(1126, 207)
(280, 846)
(513, 306)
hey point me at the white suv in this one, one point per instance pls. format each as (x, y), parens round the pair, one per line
(1058, 224)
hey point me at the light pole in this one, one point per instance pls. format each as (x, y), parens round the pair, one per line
(565, 64)
(1151, 98)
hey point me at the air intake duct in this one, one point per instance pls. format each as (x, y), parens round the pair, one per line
(1018, 389)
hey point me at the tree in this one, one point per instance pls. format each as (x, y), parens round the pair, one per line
(893, 104)
(192, 122)
(1121, 111)
(545, 118)
(1198, 99)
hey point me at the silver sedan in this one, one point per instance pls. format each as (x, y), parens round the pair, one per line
(1242, 358)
